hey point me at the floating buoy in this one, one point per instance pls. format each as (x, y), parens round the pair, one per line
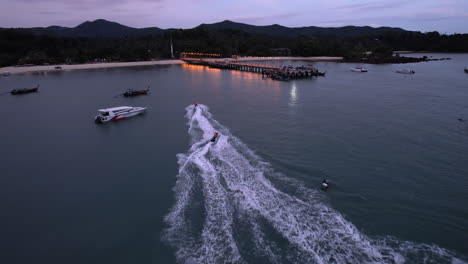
(325, 184)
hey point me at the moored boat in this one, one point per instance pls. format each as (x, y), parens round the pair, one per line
(131, 92)
(320, 73)
(280, 78)
(405, 71)
(117, 113)
(358, 69)
(25, 90)
(6, 74)
(58, 67)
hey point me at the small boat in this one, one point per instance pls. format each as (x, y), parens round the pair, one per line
(405, 71)
(131, 92)
(215, 136)
(57, 67)
(358, 69)
(117, 113)
(466, 70)
(320, 73)
(279, 78)
(25, 90)
(5, 74)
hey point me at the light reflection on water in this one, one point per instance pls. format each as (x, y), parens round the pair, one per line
(293, 94)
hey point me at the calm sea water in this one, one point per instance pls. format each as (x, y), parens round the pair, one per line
(150, 189)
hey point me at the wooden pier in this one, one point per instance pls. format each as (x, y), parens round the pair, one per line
(268, 71)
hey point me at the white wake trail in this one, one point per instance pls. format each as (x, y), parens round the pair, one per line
(229, 211)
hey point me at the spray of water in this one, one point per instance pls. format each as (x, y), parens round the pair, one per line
(228, 210)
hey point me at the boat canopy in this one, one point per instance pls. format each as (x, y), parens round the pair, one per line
(114, 109)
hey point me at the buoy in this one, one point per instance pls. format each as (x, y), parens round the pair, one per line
(325, 184)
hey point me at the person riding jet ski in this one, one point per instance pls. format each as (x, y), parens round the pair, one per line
(215, 136)
(325, 184)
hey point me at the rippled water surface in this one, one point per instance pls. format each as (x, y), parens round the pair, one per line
(152, 189)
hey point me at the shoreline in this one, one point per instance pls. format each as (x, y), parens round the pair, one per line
(88, 66)
(319, 58)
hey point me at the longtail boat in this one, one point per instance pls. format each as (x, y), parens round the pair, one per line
(25, 90)
(320, 73)
(130, 92)
(280, 78)
(405, 71)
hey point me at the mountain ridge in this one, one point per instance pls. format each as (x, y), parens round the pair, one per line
(93, 29)
(279, 30)
(110, 29)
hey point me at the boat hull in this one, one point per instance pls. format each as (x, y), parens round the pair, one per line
(405, 71)
(358, 70)
(24, 91)
(135, 93)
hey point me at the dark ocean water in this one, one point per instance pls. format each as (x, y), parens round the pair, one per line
(149, 189)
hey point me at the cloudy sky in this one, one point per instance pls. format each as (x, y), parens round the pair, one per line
(445, 16)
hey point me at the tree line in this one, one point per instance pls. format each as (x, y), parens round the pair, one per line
(18, 48)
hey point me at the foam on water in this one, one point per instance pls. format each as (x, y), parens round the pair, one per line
(247, 219)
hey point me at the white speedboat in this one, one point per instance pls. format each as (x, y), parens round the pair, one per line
(117, 113)
(405, 71)
(358, 69)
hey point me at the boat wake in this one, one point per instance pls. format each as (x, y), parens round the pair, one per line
(231, 207)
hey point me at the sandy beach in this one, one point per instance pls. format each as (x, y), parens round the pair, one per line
(67, 67)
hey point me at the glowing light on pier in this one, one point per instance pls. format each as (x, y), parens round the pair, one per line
(199, 55)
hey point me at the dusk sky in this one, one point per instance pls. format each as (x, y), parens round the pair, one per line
(445, 16)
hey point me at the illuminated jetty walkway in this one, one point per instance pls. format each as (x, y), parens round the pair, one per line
(274, 72)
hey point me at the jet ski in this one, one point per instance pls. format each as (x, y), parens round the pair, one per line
(215, 136)
(325, 184)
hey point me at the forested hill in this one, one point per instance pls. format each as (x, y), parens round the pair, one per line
(97, 28)
(104, 28)
(278, 30)
(102, 40)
